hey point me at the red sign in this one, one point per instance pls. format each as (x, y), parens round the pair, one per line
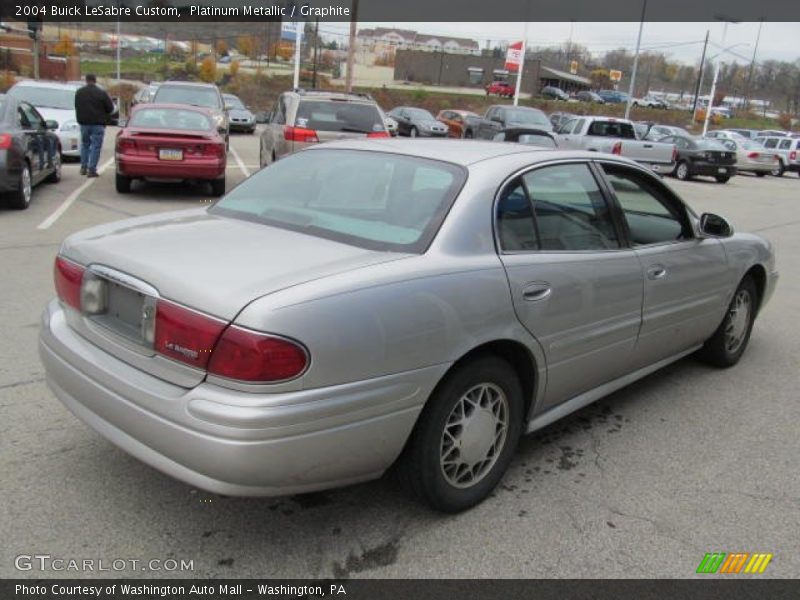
(513, 57)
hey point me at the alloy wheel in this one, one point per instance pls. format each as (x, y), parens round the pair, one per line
(738, 321)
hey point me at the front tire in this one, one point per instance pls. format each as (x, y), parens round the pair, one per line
(413, 132)
(468, 134)
(726, 346)
(722, 179)
(465, 437)
(55, 176)
(760, 174)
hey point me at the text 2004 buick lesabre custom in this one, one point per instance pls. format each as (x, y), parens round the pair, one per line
(361, 304)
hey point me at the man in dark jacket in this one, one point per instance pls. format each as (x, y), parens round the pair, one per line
(93, 107)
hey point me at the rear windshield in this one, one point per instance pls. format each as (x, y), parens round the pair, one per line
(341, 116)
(45, 97)
(612, 129)
(704, 144)
(374, 200)
(184, 94)
(170, 118)
(528, 117)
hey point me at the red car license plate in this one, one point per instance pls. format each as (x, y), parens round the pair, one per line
(170, 154)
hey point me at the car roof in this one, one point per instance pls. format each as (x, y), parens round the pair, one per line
(459, 152)
(48, 84)
(149, 105)
(202, 84)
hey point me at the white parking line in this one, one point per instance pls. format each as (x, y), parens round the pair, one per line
(240, 162)
(72, 197)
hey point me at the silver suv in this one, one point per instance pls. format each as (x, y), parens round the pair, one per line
(206, 95)
(303, 117)
(787, 149)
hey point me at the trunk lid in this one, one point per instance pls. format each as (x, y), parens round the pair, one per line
(214, 264)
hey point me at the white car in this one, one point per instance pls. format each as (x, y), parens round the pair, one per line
(54, 101)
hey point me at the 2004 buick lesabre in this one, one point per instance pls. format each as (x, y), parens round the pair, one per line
(366, 304)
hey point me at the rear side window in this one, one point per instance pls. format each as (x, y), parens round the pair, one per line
(612, 129)
(339, 116)
(375, 200)
(785, 144)
(770, 143)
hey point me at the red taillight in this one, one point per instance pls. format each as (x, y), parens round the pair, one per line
(299, 134)
(185, 335)
(617, 148)
(753, 155)
(214, 149)
(5, 141)
(378, 134)
(125, 145)
(674, 154)
(793, 155)
(68, 277)
(247, 355)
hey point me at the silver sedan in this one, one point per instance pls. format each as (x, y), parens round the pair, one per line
(365, 304)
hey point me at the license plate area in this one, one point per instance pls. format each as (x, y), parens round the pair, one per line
(170, 154)
(129, 309)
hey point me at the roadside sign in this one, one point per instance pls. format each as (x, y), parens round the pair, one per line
(513, 57)
(614, 75)
(573, 67)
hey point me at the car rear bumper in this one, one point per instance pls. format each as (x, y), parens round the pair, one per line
(179, 169)
(236, 126)
(230, 442)
(712, 169)
(70, 143)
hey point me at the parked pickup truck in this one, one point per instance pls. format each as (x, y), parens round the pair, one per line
(616, 136)
(503, 116)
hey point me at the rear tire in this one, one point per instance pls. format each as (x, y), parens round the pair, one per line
(465, 436)
(468, 134)
(726, 346)
(123, 184)
(722, 179)
(218, 187)
(20, 199)
(778, 171)
(55, 176)
(682, 171)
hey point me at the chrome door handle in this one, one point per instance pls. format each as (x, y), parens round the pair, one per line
(537, 291)
(658, 272)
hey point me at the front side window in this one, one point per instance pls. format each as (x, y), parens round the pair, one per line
(652, 216)
(374, 200)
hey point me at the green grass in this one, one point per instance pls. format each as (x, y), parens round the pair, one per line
(108, 68)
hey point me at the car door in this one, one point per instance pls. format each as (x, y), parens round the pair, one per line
(569, 136)
(275, 140)
(686, 278)
(573, 284)
(34, 130)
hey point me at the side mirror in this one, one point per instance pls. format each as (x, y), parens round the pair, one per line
(51, 125)
(715, 226)
(496, 119)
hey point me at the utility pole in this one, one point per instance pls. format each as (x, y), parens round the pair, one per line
(351, 49)
(119, 46)
(714, 81)
(752, 66)
(298, 38)
(699, 78)
(635, 62)
(316, 43)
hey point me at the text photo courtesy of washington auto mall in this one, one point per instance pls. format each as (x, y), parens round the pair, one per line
(442, 299)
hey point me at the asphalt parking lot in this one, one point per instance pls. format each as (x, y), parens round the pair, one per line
(641, 484)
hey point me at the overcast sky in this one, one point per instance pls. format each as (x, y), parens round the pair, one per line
(682, 41)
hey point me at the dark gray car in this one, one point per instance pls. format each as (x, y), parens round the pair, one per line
(240, 118)
(417, 122)
(29, 152)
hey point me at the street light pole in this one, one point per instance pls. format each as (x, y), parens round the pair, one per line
(752, 66)
(714, 82)
(521, 63)
(119, 44)
(635, 62)
(699, 79)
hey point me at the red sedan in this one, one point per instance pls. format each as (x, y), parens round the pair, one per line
(170, 142)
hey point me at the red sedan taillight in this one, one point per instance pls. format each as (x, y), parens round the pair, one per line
(247, 355)
(5, 141)
(378, 134)
(125, 145)
(299, 134)
(214, 149)
(68, 277)
(617, 148)
(185, 335)
(225, 350)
